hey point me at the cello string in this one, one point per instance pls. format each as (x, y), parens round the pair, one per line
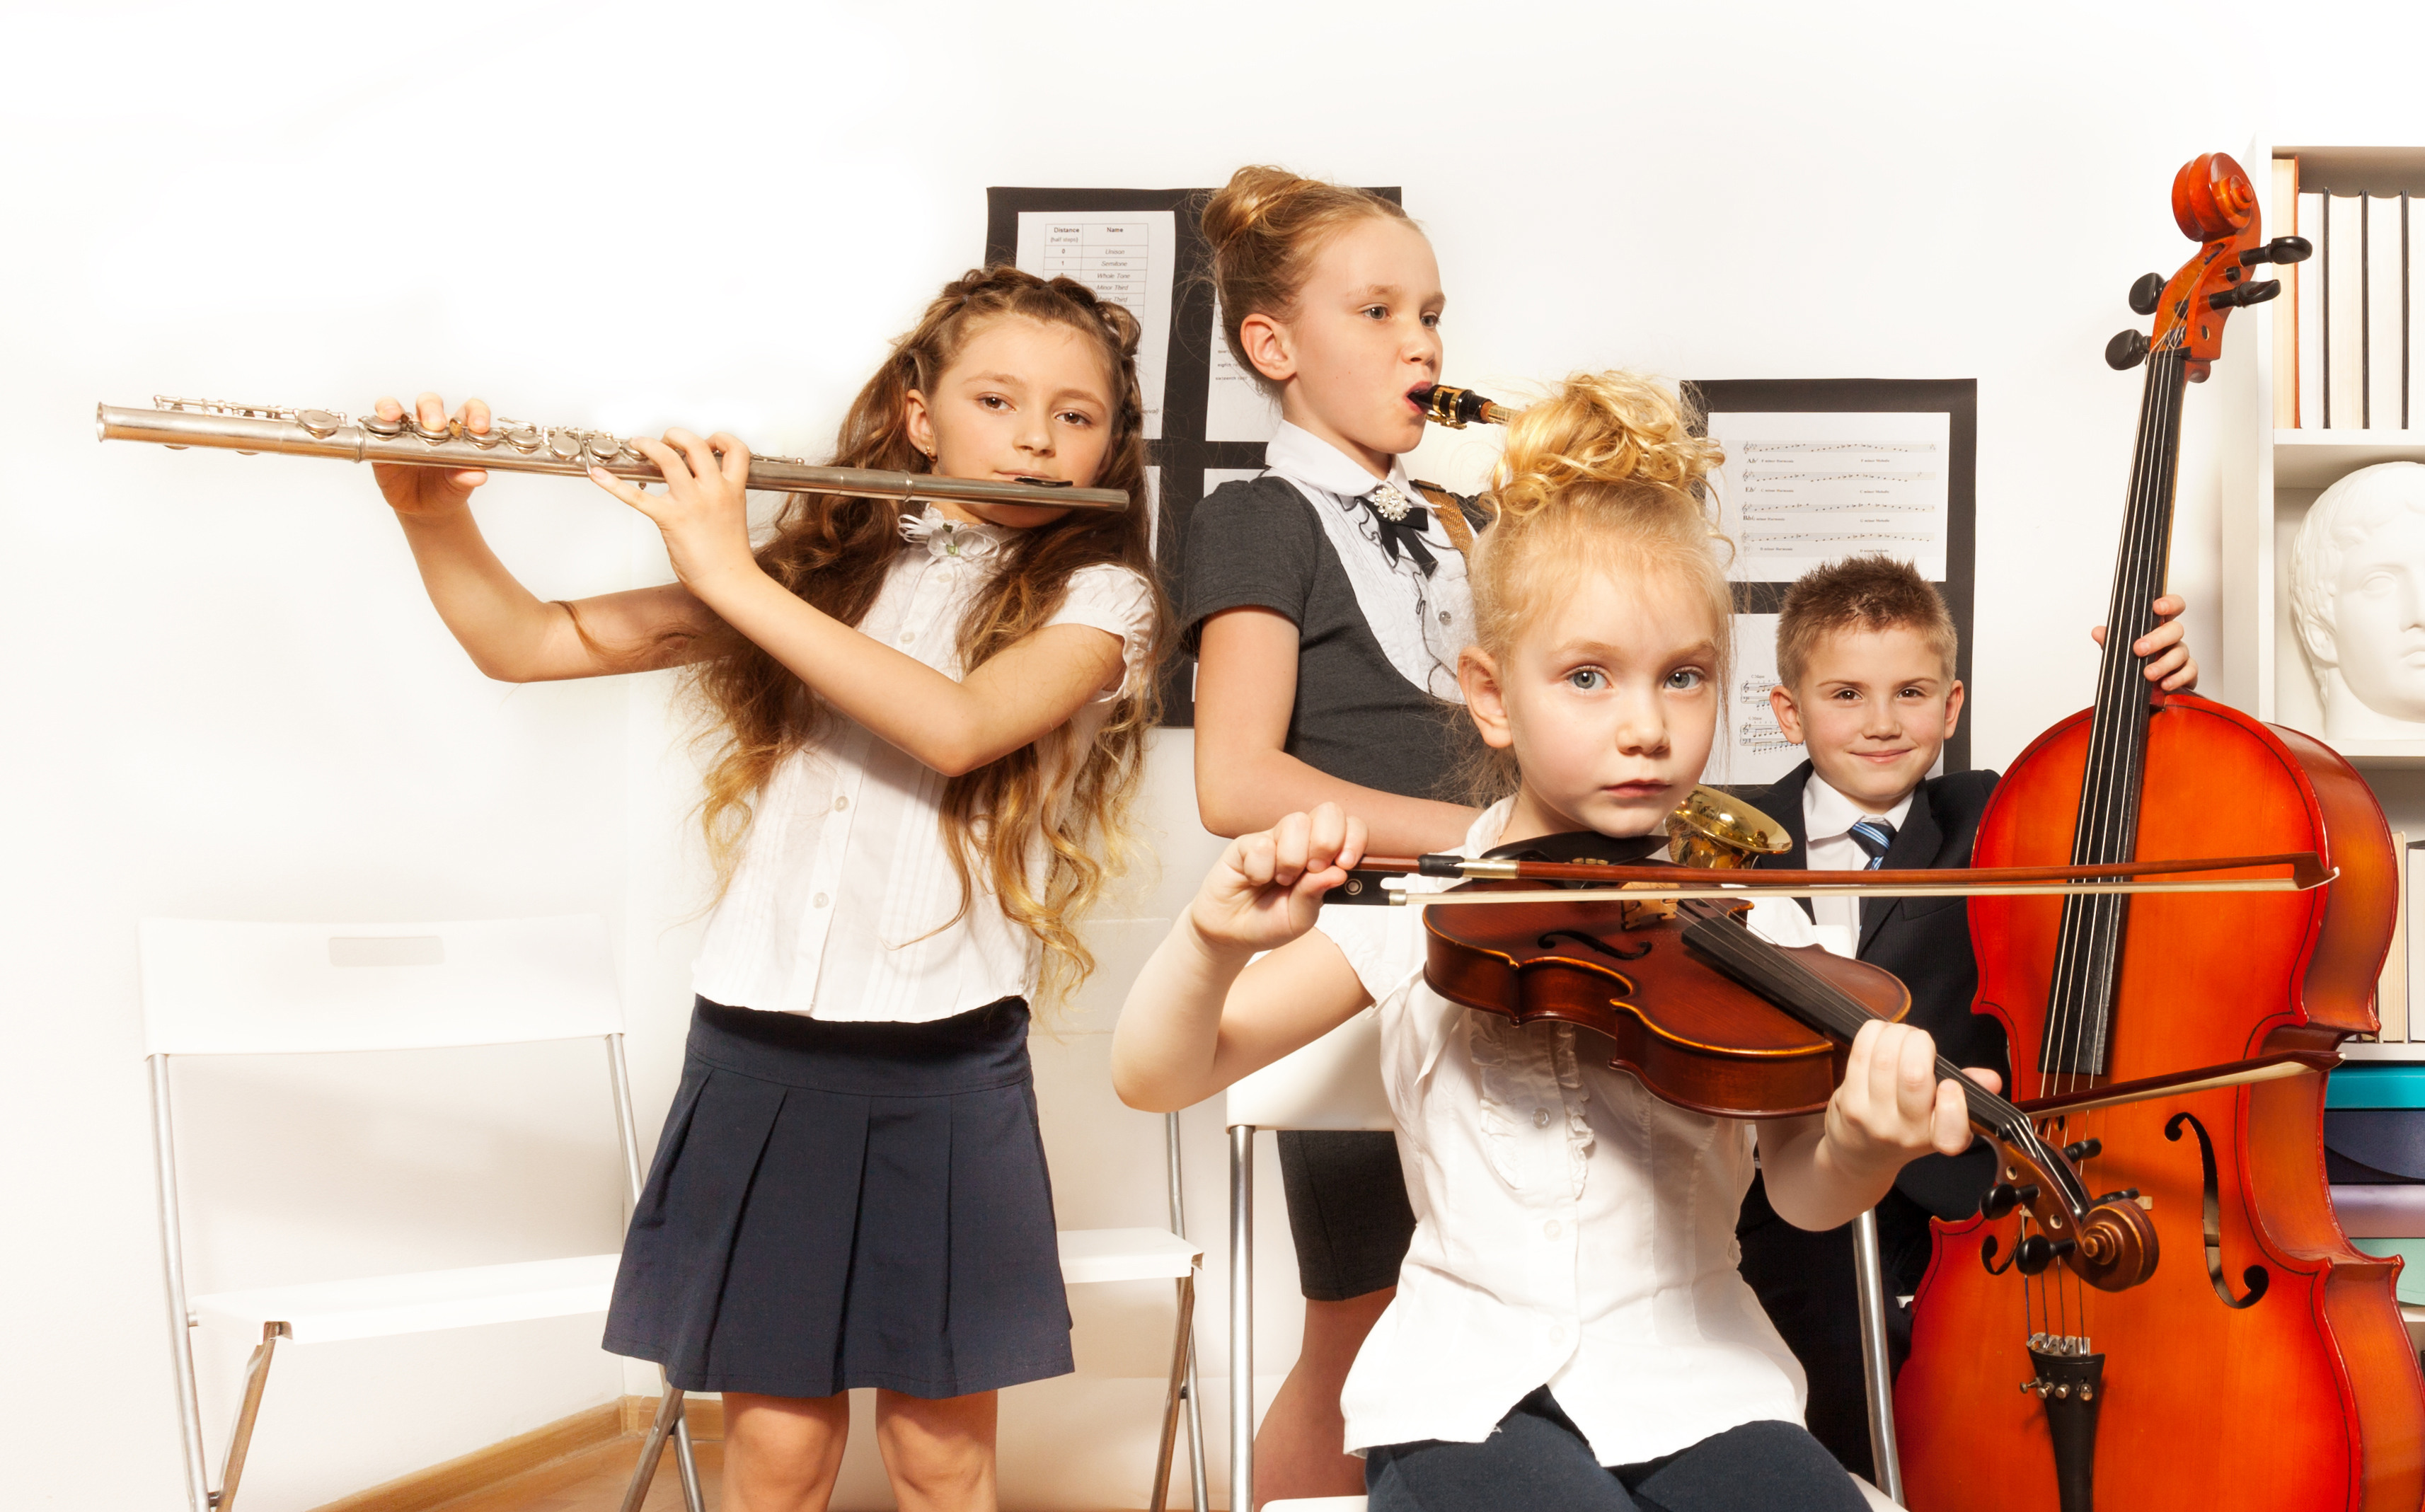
(2067, 984)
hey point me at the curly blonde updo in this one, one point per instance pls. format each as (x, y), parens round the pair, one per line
(1265, 226)
(1602, 476)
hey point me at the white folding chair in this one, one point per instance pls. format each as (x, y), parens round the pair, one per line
(225, 989)
(1333, 1083)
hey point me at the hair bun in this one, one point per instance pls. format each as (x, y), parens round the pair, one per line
(1603, 430)
(1248, 199)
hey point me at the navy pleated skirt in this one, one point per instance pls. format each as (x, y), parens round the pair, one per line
(839, 1205)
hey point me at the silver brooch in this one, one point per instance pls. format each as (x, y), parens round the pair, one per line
(1391, 504)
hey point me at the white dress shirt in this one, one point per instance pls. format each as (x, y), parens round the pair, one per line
(1827, 820)
(842, 904)
(1570, 1228)
(1422, 622)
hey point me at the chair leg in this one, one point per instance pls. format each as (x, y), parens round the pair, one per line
(1198, 1500)
(686, 1466)
(1190, 1391)
(653, 1448)
(256, 1378)
(1241, 1317)
(1178, 1387)
(1877, 1366)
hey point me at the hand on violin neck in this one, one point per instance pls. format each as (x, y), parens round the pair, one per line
(1267, 888)
(1889, 1110)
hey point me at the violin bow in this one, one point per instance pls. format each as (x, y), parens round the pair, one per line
(1646, 884)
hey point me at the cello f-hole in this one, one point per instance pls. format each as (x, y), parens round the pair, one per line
(2255, 1277)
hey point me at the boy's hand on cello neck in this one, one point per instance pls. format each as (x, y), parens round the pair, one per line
(1890, 1109)
(2171, 668)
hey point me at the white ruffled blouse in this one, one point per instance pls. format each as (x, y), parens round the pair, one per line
(842, 906)
(1571, 1229)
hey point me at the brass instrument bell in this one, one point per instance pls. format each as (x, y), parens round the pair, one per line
(1710, 829)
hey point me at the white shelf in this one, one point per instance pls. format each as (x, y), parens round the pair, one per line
(2369, 1050)
(2316, 459)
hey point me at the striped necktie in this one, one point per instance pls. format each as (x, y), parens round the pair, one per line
(1874, 836)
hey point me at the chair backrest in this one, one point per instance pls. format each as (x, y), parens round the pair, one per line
(213, 987)
(1335, 1082)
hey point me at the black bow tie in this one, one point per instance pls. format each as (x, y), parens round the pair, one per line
(1404, 533)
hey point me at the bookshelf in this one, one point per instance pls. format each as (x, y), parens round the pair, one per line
(2268, 484)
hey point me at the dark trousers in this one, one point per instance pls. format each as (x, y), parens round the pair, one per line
(1535, 1460)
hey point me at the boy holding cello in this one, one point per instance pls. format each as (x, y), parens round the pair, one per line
(1865, 656)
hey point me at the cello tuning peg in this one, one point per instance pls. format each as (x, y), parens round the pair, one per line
(2280, 250)
(2144, 293)
(2083, 1150)
(2126, 351)
(2246, 294)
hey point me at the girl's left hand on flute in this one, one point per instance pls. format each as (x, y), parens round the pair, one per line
(703, 513)
(1267, 888)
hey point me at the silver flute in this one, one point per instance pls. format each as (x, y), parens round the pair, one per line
(516, 446)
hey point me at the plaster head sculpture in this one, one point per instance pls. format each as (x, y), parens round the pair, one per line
(2358, 600)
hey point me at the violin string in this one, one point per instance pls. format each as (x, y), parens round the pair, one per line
(1789, 978)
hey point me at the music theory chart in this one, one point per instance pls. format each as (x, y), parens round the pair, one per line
(1130, 259)
(1800, 490)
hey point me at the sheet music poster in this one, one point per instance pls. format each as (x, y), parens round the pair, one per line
(1821, 469)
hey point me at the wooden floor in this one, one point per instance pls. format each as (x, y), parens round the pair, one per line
(593, 1481)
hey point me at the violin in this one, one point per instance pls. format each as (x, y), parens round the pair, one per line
(1710, 1016)
(2269, 1367)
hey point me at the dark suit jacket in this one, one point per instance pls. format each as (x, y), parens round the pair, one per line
(1926, 942)
(1804, 1279)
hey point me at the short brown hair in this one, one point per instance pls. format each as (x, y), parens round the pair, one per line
(1264, 227)
(1867, 592)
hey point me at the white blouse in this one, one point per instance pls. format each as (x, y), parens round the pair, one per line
(1571, 1229)
(1422, 622)
(842, 904)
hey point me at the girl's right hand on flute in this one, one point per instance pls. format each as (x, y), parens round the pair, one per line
(429, 491)
(1267, 888)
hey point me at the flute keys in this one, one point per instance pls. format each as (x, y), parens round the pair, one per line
(381, 426)
(520, 435)
(564, 445)
(320, 423)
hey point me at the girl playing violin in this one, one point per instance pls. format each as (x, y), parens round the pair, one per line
(1569, 1327)
(931, 725)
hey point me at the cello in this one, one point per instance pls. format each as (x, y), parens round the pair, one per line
(2265, 1364)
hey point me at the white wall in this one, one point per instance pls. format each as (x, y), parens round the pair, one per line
(231, 701)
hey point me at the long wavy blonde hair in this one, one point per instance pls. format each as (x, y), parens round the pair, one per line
(835, 552)
(1604, 474)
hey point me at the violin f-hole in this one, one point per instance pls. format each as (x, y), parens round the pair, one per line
(2254, 1276)
(1579, 937)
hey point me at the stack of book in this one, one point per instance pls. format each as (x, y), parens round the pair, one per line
(2374, 1156)
(2349, 335)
